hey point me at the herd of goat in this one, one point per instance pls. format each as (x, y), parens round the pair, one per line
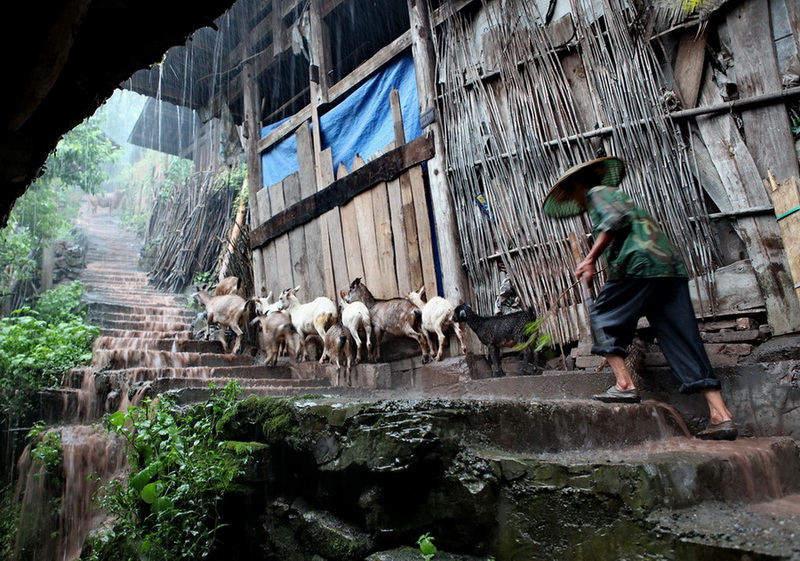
(353, 330)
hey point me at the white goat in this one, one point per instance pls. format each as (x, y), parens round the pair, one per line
(311, 318)
(265, 305)
(227, 311)
(437, 317)
(355, 316)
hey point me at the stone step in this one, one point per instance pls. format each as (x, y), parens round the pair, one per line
(142, 334)
(165, 384)
(157, 343)
(188, 396)
(139, 309)
(135, 298)
(174, 315)
(118, 359)
(675, 472)
(93, 379)
(158, 325)
(766, 530)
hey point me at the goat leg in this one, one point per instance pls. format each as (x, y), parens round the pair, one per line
(494, 359)
(460, 335)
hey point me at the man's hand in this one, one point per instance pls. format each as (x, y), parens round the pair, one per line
(585, 270)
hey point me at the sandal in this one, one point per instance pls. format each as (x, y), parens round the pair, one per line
(726, 430)
(616, 395)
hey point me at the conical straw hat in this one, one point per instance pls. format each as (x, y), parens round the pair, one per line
(566, 197)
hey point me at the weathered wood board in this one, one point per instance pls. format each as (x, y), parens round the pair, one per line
(689, 64)
(786, 198)
(424, 232)
(409, 214)
(281, 275)
(737, 291)
(314, 280)
(350, 234)
(761, 236)
(297, 241)
(267, 252)
(336, 275)
(398, 229)
(382, 223)
(767, 129)
(366, 234)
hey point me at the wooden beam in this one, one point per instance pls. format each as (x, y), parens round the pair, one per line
(284, 130)
(385, 168)
(767, 129)
(453, 276)
(343, 86)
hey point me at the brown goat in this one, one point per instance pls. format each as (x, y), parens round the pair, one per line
(276, 332)
(228, 285)
(339, 346)
(397, 316)
(109, 201)
(227, 311)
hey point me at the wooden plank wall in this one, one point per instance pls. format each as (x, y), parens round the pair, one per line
(382, 235)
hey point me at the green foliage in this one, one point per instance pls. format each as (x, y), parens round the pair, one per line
(37, 211)
(136, 222)
(179, 470)
(36, 346)
(46, 446)
(178, 172)
(262, 417)
(536, 341)
(43, 213)
(62, 303)
(8, 522)
(202, 278)
(79, 157)
(16, 261)
(426, 547)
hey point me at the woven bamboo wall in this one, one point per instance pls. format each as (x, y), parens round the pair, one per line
(523, 103)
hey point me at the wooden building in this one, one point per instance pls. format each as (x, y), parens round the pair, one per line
(411, 143)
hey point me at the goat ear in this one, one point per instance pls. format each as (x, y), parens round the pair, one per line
(422, 291)
(296, 288)
(355, 282)
(269, 297)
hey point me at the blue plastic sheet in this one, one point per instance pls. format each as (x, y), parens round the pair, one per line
(360, 124)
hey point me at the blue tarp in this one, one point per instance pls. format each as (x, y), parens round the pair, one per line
(360, 124)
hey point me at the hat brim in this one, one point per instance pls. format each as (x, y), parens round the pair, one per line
(568, 195)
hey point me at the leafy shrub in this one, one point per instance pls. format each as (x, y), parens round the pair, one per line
(36, 347)
(46, 446)
(165, 509)
(62, 303)
(16, 256)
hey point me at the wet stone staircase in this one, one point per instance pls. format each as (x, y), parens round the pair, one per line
(146, 345)
(598, 480)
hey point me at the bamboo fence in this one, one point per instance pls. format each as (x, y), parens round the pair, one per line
(519, 111)
(188, 229)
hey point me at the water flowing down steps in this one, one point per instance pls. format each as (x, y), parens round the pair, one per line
(146, 344)
(535, 434)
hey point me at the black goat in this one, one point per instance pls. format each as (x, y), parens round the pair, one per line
(498, 332)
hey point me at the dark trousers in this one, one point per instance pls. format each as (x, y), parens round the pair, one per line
(666, 304)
